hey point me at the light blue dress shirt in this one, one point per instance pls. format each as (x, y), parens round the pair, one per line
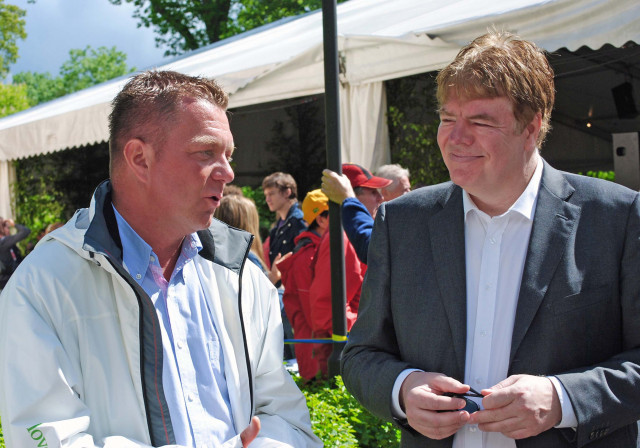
(193, 362)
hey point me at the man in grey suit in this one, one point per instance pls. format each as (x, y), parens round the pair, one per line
(515, 280)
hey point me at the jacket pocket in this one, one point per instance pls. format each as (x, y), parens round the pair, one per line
(587, 297)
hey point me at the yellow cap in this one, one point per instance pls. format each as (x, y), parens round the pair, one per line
(315, 202)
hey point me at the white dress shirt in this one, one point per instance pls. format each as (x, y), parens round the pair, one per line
(495, 253)
(193, 362)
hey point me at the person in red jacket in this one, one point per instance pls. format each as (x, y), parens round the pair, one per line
(320, 293)
(296, 273)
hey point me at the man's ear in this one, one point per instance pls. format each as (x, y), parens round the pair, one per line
(137, 156)
(533, 130)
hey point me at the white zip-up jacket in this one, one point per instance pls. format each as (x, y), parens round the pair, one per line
(81, 349)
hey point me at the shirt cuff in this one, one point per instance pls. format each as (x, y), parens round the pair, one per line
(396, 410)
(569, 419)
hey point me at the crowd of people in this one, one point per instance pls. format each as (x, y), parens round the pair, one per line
(496, 310)
(296, 256)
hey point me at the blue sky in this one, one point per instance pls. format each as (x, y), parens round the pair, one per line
(56, 26)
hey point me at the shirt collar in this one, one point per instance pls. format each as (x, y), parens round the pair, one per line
(525, 204)
(137, 255)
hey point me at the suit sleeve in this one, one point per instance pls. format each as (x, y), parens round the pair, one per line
(371, 361)
(606, 396)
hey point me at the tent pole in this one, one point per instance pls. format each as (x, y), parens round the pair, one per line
(334, 163)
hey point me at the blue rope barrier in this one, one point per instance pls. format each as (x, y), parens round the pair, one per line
(311, 341)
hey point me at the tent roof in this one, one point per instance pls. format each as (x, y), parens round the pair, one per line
(378, 40)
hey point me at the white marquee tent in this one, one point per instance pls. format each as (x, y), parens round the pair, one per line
(378, 40)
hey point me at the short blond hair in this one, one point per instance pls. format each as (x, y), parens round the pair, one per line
(500, 64)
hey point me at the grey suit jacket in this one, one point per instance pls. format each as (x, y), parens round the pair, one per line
(578, 312)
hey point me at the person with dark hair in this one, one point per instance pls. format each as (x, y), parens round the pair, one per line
(281, 194)
(501, 309)
(140, 322)
(10, 254)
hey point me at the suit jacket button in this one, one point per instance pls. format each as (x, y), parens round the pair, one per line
(592, 435)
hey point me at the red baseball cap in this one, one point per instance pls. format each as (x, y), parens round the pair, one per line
(362, 177)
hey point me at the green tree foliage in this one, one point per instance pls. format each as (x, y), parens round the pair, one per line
(13, 99)
(51, 187)
(11, 29)
(40, 87)
(184, 25)
(84, 68)
(413, 128)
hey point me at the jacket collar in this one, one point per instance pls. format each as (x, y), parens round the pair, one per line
(554, 222)
(229, 247)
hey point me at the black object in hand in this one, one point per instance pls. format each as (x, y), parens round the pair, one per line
(470, 406)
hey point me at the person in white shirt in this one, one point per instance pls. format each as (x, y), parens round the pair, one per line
(140, 322)
(501, 309)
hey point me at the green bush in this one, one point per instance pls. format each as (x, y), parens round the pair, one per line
(266, 215)
(340, 421)
(606, 175)
(36, 209)
(2, 445)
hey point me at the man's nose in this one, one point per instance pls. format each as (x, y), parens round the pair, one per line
(223, 171)
(460, 133)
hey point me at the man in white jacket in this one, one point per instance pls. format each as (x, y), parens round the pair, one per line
(139, 323)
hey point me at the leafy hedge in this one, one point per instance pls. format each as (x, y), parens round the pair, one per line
(340, 421)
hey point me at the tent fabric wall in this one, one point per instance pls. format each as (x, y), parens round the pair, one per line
(378, 40)
(7, 177)
(364, 126)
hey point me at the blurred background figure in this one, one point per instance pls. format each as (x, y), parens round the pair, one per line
(281, 194)
(296, 278)
(320, 293)
(241, 212)
(230, 189)
(399, 178)
(357, 190)
(10, 255)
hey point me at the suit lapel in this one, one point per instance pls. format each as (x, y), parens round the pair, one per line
(554, 222)
(446, 230)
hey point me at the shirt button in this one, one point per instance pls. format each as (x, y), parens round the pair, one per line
(284, 241)
(478, 380)
(492, 241)
(152, 259)
(483, 333)
(190, 397)
(138, 276)
(473, 428)
(179, 344)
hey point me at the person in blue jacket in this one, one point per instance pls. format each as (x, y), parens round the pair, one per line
(358, 191)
